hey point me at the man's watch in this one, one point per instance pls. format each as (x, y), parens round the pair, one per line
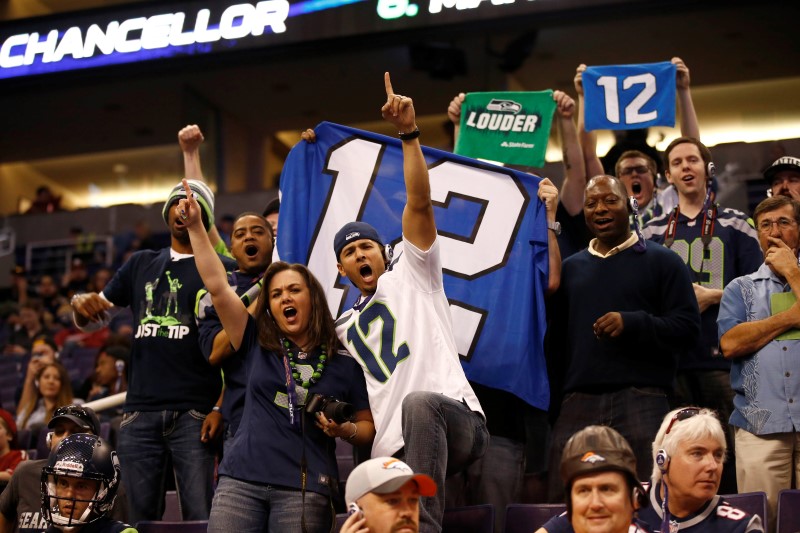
(555, 226)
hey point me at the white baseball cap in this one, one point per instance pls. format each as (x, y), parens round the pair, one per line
(383, 475)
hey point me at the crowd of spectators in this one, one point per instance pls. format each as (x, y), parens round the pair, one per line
(635, 294)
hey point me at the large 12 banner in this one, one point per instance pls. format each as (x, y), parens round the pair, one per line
(492, 232)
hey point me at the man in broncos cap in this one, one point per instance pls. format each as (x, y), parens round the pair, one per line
(425, 411)
(21, 502)
(382, 495)
(598, 469)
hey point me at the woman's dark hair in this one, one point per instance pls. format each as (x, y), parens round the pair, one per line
(321, 326)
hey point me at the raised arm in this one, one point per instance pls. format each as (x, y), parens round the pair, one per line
(548, 193)
(689, 125)
(574, 167)
(231, 310)
(190, 138)
(221, 348)
(419, 226)
(454, 114)
(588, 139)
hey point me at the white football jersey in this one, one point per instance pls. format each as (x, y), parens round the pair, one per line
(402, 336)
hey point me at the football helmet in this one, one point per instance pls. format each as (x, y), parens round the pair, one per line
(80, 481)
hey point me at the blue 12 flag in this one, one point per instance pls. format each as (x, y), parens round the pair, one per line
(492, 232)
(623, 97)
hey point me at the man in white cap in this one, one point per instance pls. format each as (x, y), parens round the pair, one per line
(383, 494)
(783, 177)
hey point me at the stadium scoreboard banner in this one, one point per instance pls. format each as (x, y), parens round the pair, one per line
(159, 30)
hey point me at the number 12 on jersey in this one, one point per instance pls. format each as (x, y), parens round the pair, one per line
(624, 97)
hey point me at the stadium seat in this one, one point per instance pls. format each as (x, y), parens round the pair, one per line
(471, 519)
(750, 502)
(527, 517)
(789, 511)
(192, 526)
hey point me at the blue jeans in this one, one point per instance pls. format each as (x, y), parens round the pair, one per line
(146, 440)
(636, 413)
(245, 507)
(442, 436)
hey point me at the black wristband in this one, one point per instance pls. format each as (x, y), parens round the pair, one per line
(408, 136)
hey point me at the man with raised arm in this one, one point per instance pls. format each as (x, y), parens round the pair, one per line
(401, 333)
(171, 389)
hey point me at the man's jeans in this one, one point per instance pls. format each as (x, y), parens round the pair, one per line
(636, 413)
(442, 436)
(243, 507)
(147, 439)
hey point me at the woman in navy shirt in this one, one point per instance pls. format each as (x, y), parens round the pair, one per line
(280, 468)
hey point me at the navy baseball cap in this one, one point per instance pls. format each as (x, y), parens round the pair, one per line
(353, 231)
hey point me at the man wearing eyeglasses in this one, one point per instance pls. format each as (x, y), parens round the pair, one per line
(759, 329)
(717, 244)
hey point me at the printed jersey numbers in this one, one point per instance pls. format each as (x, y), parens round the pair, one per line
(380, 364)
(708, 267)
(730, 512)
(633, 113)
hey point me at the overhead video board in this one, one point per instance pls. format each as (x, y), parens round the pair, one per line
(143, 32)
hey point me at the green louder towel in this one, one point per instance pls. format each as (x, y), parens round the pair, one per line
(509, 127)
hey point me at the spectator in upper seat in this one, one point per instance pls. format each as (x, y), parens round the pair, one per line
(10, 456)
(783, 177)
(44, 202)
(759, 330)
(716, 244)
(620, 296)
(29, 329)
(110, 373)
(76, 279)
(46, 388)
(51, 299)
(21, 502)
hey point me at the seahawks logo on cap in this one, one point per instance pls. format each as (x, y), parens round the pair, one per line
(591, 457)
(352, 235)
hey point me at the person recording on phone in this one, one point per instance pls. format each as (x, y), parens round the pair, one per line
(278, 472)
(383, 495)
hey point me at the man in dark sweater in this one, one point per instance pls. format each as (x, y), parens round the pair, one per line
(624, 313)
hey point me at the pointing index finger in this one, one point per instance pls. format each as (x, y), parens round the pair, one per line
(187, 189)
(387, 81)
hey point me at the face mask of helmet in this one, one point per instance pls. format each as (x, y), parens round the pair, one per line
(80, 481)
